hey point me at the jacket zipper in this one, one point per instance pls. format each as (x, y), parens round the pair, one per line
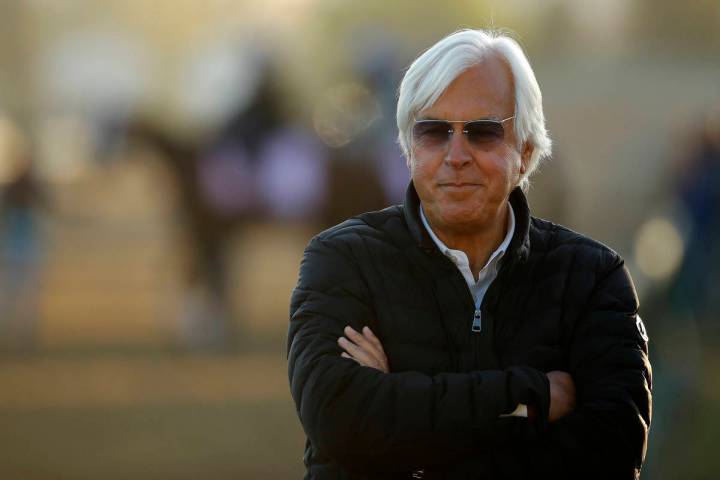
(477, 321)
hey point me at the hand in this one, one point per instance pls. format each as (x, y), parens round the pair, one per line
(364, 348)
(562, 394)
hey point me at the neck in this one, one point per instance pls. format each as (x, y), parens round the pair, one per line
(478, 244)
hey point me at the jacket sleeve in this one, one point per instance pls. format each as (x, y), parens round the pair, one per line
(367, 420)
(606, 436)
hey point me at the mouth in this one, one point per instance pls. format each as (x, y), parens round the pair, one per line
(458, 185)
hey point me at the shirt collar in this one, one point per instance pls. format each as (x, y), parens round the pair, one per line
(496, 255)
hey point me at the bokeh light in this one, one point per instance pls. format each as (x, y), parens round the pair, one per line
(659, 248)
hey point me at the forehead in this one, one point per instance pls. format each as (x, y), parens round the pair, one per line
(483, 90)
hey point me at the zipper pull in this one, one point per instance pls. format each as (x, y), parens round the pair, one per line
(477, 321)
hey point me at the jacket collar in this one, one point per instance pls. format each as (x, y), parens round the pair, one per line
(519, 248)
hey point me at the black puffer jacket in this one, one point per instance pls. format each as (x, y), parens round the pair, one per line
(560, 302)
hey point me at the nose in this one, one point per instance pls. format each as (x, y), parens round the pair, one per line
(458, 152)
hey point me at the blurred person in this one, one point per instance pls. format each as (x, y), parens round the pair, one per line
(381, 75)
(257, 166)
(366, 173)
(204, 317)
(21, 198)
(455, 335)
(694, 288)
(685, 308)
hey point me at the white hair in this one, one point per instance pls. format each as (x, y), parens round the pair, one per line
(433, 72)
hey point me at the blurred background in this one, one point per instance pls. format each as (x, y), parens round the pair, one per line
(163, 164)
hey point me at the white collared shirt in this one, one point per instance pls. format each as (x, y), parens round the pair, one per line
(478, 287)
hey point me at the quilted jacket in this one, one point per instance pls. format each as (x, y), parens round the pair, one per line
(561, 301)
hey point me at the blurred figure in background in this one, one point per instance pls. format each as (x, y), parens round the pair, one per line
(356, 119)
(696, 286)
(20, 247)
(204, 318)
(685, 306)
(257, 166)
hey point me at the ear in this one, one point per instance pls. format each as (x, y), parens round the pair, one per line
(525, 155)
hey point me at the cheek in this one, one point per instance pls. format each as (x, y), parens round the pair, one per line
(423, 167)
(421, 179)
(509, 166)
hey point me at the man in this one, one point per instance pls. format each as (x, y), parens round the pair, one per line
(456, 336)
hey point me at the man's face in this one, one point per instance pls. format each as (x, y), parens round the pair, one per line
(464, 187)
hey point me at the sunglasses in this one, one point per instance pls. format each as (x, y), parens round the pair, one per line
(483, 133)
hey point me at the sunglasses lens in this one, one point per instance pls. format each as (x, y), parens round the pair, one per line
(485, 132)
(431, 133)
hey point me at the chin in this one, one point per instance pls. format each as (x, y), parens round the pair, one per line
(462, 219)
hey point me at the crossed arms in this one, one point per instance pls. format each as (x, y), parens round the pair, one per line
(372, 420)
(367, 350)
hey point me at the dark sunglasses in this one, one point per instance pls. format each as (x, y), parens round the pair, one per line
(480, 133)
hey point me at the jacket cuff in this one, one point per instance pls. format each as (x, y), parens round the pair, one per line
(531, 387)
(521, 411)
